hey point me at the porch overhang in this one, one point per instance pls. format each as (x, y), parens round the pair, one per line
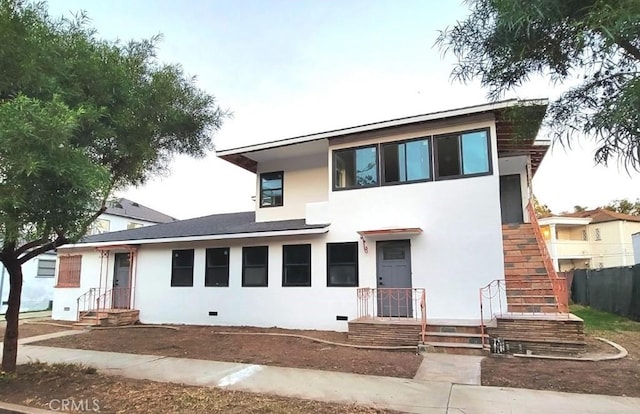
(392, 232)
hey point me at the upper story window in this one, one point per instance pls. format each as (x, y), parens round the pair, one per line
(271, 186)
(462, 155)
(132, 225)
(355, 167)
(407, 161)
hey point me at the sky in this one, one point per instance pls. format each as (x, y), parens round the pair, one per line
(288, 68)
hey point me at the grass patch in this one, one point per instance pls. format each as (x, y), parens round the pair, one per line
(596, 320)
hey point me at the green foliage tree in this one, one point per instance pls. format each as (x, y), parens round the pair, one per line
(579, 209)
(505, 42)
(542, 210)
(79, 118)
(624, 206)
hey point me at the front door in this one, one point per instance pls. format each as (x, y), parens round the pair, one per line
(395, 298)
(121, 295)
(511, 199)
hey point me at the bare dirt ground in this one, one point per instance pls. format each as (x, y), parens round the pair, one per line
(37, 385)
(26, 330)
(206, 342)
(618, 377)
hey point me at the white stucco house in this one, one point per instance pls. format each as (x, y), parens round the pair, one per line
(352, 222)
(39, 273)
(591, 239)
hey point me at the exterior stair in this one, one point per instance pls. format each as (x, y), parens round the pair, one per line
(107, 317)
(528, 286)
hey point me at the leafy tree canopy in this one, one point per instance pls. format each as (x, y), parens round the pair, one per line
(505, 42)
(79, 118)
(624, 206)
(542, 210)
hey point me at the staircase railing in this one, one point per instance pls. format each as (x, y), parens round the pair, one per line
(394, 303)
(101, 299)
(88, 301)
(559, 284)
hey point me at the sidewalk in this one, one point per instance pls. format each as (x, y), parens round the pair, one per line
(413, 396)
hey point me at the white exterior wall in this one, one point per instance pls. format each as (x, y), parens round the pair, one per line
(615, 247)
(636, 248)
(65, 299)
(304, 181)
(37, 292)
(459, 251)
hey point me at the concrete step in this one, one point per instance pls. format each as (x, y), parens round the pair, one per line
(457, 348)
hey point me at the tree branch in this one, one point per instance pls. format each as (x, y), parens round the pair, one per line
(59, 241)
(30, 245)
(628, 47)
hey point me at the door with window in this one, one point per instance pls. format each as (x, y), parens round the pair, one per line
(121, 294)
(395, 297)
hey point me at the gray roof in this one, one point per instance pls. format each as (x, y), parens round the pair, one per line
(126, 208)
(215, 225)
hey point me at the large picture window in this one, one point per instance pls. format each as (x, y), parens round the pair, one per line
(255, 263)
(217, 270)
(271, 189)
(462, 155)
(342, 264)
(355, 168)
(407, 161)
(296, 265)
(182, 267)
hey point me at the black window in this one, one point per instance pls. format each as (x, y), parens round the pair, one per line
(255, 261)
(271, 189)
(296, 265)
(408, 161)
(462, 155)
(217, 270)
(342, 264)
(182, 268)
(355, 168)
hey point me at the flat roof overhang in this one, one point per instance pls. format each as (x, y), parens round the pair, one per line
(516, 131)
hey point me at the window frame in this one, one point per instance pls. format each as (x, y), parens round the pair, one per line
(50, 268)
(285, 264)
(207, 267)
(266, 266)
(357, 264)
(173, 267)
(75, 265)
(458, 135)
(383, 171)
(281, 188)
(334, 154)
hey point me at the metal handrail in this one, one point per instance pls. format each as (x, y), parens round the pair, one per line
(101, 299)
(394, 303)
(559, 284)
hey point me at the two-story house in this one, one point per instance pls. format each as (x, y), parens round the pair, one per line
(590, 239)
(39, 272)
(394, 220)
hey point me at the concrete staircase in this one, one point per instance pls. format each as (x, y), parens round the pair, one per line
(528, 286)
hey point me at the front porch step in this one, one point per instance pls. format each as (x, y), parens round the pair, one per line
(458, 349)
(109, 317)
(453, 337)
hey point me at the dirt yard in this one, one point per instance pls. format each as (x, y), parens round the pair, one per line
(37, 385)
(26, 330)
(618, 377)
(200, 342)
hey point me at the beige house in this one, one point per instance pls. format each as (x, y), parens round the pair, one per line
(590, 239)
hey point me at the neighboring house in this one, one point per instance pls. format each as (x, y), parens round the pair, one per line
(591, 239)
(39, 272)
(348, 223)
(636, 247)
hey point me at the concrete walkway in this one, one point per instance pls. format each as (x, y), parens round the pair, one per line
(408, 395)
